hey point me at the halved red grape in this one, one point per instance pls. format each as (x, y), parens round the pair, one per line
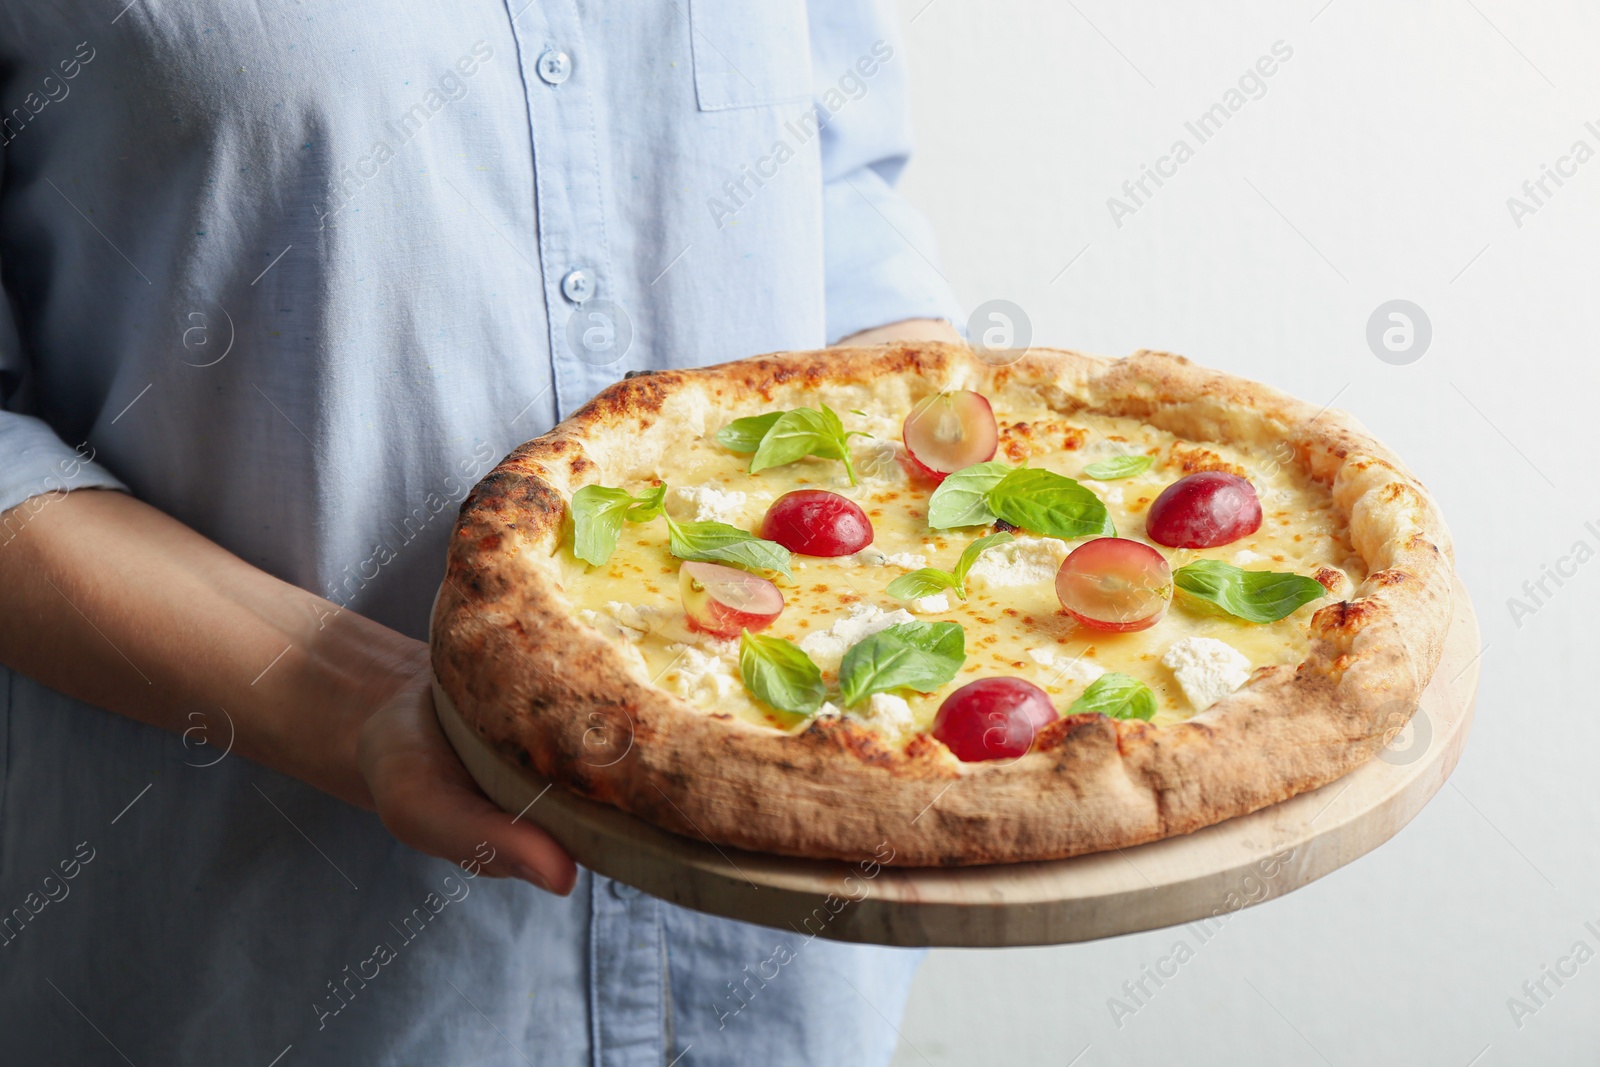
(1204, 510)
(815, 522)
(993, 718)
(948, 431)
(724, 600)
(1112, 583)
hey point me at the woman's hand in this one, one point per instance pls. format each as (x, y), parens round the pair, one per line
(428, 800)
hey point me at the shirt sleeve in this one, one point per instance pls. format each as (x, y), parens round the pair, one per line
(33, 458)
(881, 262)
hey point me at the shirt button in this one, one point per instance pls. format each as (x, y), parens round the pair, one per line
(623, 891)
(555, 67)
(577, 286)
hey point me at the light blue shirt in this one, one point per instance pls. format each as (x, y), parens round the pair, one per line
(299, 274)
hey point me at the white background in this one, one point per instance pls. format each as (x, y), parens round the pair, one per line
(1376, 166)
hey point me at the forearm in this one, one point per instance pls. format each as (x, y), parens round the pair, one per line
(905, 330)
(112, 601)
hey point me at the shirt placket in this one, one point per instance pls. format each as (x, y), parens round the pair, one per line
(626, 976)
(559, 79)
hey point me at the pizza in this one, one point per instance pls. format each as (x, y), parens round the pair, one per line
(809, 602)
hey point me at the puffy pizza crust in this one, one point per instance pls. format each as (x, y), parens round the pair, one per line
(556, 696)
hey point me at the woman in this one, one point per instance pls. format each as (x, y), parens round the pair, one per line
(283, 281)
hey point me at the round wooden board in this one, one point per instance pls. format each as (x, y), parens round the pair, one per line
(1208, 873)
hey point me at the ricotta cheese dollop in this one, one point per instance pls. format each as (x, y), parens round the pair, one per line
(827, 647)
(706, 503)
(888, 713)
(1206, 669)
(698, 675)
(1025, 561)
(630, 620)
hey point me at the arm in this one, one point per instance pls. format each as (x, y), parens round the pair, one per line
(905, 330)
(113, 602)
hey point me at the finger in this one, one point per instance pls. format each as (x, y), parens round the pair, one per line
(427, 799)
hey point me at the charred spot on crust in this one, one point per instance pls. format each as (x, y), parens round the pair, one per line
(1392, 576)
(504, 487)
(1365, 463)
(642, 395)
(1132, 733)
(1394, 492)
(1418, 542)
(1329, 578)
(923, 745)
(811, 369)
(1071, 727)
(543, 504)
(863, 744)
(1346, 617)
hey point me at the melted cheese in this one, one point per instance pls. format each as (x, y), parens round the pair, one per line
(1013, 621)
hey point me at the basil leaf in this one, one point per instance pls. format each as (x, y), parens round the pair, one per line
(1255, 596)
(804, 432)
(970, 554)
(1108, 470)
(1050, 504)
(924, 582)
(648, 504)
(1118, 696)
(962, 498)
(717, 542)
(910, 655)
(928, 580)
(744, 435)
(597, 516)
(780, 675)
